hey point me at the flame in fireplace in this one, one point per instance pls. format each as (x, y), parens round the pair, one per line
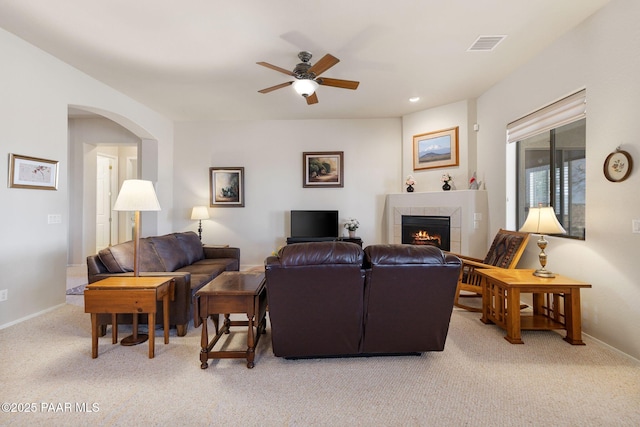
(424, 238)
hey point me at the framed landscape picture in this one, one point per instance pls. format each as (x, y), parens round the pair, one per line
(31, 172)
(226, 186)
(435, 149)
(323, 169)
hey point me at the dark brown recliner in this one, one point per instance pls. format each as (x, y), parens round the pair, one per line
(315, 294)
(408, 298)
(325, 299)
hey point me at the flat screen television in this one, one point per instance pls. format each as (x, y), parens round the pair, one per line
(314, 224)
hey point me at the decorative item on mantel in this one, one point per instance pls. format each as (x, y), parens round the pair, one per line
(474, 184)
(410, 183)
(446, 178)
(352, 225)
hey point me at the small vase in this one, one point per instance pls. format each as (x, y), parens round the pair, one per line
(446, 186)
(410, 189)
(352, 234)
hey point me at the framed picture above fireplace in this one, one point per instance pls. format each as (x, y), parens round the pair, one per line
(435, 149)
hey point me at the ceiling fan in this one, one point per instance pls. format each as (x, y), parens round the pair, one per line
(307, 79)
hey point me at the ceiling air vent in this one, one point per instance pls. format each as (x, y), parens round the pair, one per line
(485, 43)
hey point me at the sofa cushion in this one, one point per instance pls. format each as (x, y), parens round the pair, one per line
(170, 252)
(320, 253)
(191, 246)
(503, 248)
(119, 258)
(231, 264)
(209, 270)
(403, 254)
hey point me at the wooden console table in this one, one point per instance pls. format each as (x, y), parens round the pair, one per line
(231, 292)
(501, 289)
(129, 294)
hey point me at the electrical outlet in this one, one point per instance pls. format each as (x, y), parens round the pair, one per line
(635, 225)
(4, 294)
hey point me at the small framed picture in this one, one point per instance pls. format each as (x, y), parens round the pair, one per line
(435, 149)
(323, 169)
(617, 166)
(226, 186)
(31, 172)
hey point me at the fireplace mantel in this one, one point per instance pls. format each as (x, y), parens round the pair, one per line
(467, 209)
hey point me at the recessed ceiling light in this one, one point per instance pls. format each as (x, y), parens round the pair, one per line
(414, 99)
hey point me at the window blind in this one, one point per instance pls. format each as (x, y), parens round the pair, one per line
(562, 112)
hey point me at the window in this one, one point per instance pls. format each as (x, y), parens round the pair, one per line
(551, 161)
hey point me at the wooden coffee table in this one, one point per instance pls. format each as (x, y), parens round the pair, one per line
(128, 294)
(231, 292)
(501, 289)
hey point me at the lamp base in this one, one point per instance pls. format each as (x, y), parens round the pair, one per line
(134, 340)
(541, 272)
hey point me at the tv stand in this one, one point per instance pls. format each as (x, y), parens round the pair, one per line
(355, 240)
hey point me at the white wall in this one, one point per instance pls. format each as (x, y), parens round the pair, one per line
(460, 114)
(601, 55)
(271, 153)
(35, 93)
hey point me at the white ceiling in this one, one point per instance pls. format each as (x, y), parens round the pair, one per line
(196, 59)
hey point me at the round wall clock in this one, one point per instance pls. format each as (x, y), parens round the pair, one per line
(617, 166)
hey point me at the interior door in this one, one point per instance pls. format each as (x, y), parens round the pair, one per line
(106, 176)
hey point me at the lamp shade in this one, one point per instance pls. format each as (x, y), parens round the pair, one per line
(137, 195)
(542, 220)
(199, 212)
(305, 87)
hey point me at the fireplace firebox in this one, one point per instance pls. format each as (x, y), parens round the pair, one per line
(427, 230)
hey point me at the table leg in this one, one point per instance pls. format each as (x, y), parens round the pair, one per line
(204, 343)
(513, 317)
(227, 323)
(572, 317)
(486, 301)
(251, 343)
(114, 328)
(165, 317)
(152, 334)
(94, 335)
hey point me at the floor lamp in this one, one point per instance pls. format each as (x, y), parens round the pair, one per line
(542, 220)
(199, 213)
(136, 195)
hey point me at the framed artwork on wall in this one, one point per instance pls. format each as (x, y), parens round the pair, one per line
(435, 149)
(323, 169)
(31, 172)
(226, 187)
(618, 165)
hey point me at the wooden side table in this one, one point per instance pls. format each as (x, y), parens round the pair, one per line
(231, 292)
(129, 295)
(556, 303)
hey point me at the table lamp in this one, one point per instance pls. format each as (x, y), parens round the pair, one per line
(199, 213)
(542, 220)
(136, 195)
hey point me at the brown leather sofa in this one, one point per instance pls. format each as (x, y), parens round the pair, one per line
(178, 255)
(334, 299)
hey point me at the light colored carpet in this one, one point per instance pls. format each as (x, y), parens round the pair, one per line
(479, 380)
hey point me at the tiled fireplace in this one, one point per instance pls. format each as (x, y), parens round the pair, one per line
(466, 210)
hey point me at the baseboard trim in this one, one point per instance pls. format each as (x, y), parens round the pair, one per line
(31, 316)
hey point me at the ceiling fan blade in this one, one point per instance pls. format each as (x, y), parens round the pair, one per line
(323, 64)
(312, 99)
(344, 84)
(274, 67)
(272, 88)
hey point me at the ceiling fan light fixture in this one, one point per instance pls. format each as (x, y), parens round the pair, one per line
(305, 87)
